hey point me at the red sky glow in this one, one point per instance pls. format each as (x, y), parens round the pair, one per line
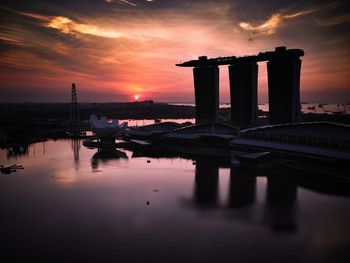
(118, 50)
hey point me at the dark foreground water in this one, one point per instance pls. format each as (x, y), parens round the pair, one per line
(72, 204)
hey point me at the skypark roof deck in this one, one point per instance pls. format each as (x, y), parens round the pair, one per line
(280, 52)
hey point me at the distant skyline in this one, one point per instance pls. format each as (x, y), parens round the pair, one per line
(117, 50)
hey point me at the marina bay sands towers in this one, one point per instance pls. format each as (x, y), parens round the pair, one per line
(206, 89)
(243, 92)
(283, 69)
(284, 89)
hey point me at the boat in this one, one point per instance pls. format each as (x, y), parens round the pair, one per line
(10, 169)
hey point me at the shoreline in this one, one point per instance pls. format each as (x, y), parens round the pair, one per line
(25, 122)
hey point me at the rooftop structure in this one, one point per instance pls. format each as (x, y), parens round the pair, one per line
(279, 52)
(323, 139)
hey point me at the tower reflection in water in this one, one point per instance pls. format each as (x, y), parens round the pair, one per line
(278, 211)
(75, 143)
(242, 188)
(17, 151)
(206, 186)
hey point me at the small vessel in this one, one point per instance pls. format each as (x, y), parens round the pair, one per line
(10, 169)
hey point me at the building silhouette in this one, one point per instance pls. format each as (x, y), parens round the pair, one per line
(74, 111)
(283, 67)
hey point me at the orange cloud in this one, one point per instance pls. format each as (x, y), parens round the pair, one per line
(270, 26)
(32, 15)
(121, 1)
(68, 26)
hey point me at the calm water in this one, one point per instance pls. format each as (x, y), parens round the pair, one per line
(330, 108)
(73, 204)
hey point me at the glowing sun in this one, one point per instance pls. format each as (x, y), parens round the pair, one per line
(137, 96)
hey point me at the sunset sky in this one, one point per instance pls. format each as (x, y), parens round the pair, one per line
(116, 49)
